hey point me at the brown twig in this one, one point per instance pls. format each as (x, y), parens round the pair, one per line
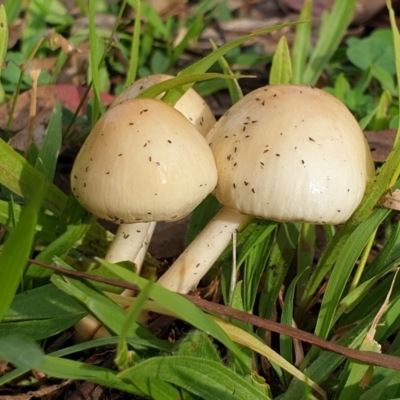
(368, 357)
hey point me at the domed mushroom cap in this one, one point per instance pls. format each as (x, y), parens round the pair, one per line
(291, 153)
(191, 104)
(143, 161)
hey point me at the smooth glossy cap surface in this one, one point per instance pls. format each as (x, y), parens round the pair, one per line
(291, 153)
(143, 161)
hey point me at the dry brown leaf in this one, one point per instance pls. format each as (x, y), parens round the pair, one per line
(391, 200)
(380, 143)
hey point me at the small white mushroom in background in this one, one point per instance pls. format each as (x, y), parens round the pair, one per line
(143, 161)
(285, 153)
(191, 104)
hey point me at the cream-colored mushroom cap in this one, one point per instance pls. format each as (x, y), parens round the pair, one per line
(143, 161)
(291, 153)
(191, 104)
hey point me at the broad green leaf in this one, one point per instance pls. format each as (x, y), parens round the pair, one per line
(21, 351)
(41, 328)
(17, 250)
(13, 8)
(198, 344)
(205, 378)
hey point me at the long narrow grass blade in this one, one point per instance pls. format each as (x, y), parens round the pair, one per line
(17, 249)
(48, 154)
(134, 56)
(178, 305)
(95, 58)
(333, 27)
(204, 64)
(248, 340)
(22, 178)
(342, 271)
(301, 43)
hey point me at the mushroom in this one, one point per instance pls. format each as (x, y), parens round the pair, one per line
(285, 153)
(191, 104)
(143, 161)
(196, 110)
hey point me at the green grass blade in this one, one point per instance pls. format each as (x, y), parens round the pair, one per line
(122, 356)
(353, 388)
(305, 256)
(179, 306)
(3, 42)
(22, 178)
(68, 369)
(205, 378)
(384, 384)
(281, 69)
(60, 247)
(104, 309)
(26, 354)
(301, 43)
(48, 154)
(344, 265)
(134, 56)
(95, 58)
(235, 91)
(204, 64)
(201, 215)
(286, 342)
(396, 40)
(333, 27)
(255, 265)
(278, 265)
(180, 81)
(17, 249)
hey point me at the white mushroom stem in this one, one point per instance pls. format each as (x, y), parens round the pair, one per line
(130, 241)
(197, 259)
(132, 248)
